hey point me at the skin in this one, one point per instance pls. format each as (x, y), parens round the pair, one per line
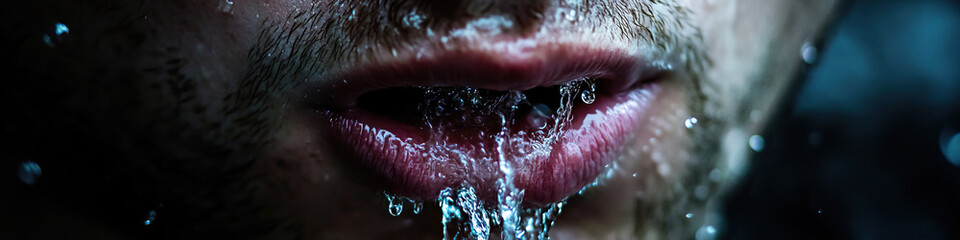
(194, 109)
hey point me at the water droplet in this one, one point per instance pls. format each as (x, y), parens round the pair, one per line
(756, 143)
(29, 172)
(226, 6)
(690, 122)
(61, 29)
(417, 206)
(539, 116)
(151, 218)
(809, 53)
(395, 205)
(820, 211)
(572, 15)
(588, 96)
(688, 215)
(413, 19)
(60, 33)
(950, 146)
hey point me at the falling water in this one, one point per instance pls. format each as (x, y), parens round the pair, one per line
(464, 214)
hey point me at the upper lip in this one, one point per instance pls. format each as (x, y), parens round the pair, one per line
(494, 70)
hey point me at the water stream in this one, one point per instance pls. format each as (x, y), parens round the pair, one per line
(528, 125)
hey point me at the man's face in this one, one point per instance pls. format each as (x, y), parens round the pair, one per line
(296, 118)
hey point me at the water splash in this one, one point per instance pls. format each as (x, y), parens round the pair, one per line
(447, 109)
(463, 213)
(465, 216)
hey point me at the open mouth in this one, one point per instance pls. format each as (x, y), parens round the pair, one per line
(547, 121)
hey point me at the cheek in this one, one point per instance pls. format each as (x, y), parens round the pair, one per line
(307, 183)
(663, 152)
(201, 50)
(755, 43)
(651, 166)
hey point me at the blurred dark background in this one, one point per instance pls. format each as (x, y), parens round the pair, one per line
(869, 147)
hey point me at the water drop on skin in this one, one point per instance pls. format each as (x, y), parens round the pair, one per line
(690, 122)
(588, 96)
(61, 29)
(226, 6)
(29, 172)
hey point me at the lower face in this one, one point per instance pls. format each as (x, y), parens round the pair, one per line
(314, 116)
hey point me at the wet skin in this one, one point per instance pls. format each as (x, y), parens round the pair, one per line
(211, 109)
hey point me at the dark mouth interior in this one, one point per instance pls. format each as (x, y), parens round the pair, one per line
(412, 105)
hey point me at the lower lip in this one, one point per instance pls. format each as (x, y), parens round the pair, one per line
(395, 151)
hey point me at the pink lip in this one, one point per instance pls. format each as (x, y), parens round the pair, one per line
(597, 133)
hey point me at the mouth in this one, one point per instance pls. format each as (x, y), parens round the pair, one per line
(552, 118)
